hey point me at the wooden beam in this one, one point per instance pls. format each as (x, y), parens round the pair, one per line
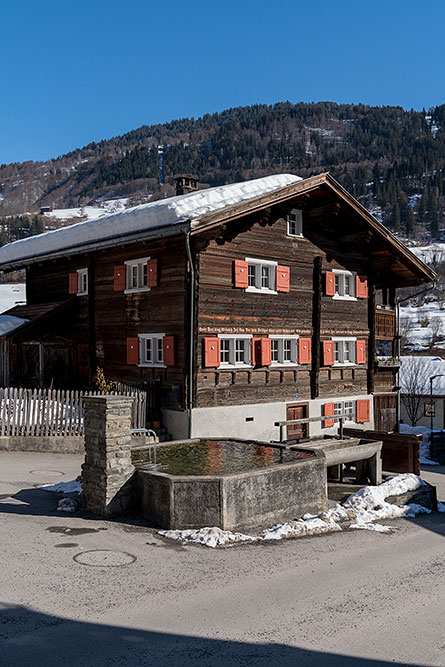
(316, 325)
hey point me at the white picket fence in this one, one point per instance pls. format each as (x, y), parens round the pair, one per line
(56, 412)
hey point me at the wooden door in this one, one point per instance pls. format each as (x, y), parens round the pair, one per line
(297, 431)
(385, 413)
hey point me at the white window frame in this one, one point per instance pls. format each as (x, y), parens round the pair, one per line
(141, 275)
(82, 282)
(340, 349)
(233, 338)
(154, 338)
(296, 224)
(294, 350)
(259, 264)
(340, 409)
(340, 285)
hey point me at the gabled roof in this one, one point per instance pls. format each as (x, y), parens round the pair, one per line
(204, 210)
(22, 317)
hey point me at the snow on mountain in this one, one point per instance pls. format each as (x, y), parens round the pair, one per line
(12, 294)
(89, 212)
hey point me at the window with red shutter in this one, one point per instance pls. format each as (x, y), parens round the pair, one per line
(241, 269)
(282, 279)
(168, 346)
(362, 410)
(329, 287)
(328, 353)
(261, 351)
(73, 283)
(328, 410)
(360, 352)
(152, 273)
(119, 278)
(304, 350)
(133, 351)
(361, 287)
(211, 352)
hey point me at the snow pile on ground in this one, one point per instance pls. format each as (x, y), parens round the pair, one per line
(440, 507)
(359, 511)
(424, 449)
(209, 537)
(12, 294)
(153, 215)
(73, 486)
(67, 505)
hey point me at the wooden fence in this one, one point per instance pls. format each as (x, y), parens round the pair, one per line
(57, 412)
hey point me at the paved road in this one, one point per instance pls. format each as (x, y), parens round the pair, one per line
(348, 599)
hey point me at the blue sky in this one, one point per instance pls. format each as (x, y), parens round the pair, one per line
(75, 71)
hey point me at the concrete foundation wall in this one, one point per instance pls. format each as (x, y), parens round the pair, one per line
(252, 421)
(58, 444)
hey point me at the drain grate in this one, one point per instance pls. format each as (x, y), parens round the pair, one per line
(104, 558)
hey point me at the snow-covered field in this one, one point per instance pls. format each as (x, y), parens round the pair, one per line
(12, 294)
(89, 212)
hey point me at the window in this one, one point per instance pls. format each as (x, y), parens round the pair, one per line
(82, 281)
(295, 223)
(344, 284)
(235, 351)
(261, 275)
(345, 407)
(284, 350)
(384, 349)
(136, 275)
(344, 351)
(151, 350)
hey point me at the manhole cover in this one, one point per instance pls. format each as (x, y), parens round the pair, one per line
(104, 558)
(47, 473)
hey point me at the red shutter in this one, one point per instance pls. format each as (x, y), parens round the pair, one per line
(168, 347)
(73, 282)
(119, 278)
(261, 351)
(152, 273)
(328, 353)
(362, 411)
(282, 279)
(304, 350)
(328, 410)
(329, 286)
(241, 273)
(212, 357)
(132, 351)
(360, 352)
(361, 287)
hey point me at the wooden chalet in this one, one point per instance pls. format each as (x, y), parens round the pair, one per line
(249, 303)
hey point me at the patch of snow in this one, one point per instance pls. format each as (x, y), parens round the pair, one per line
(376, 527)
(8, 323)
(12, 294)
(441, 507)
(153, 215)
(362, 508)
(209, 537)
(67, 505)
(424, 449)
(73, 486)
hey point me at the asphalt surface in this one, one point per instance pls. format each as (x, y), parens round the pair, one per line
(84, 592)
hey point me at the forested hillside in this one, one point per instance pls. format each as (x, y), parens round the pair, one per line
(392, 160)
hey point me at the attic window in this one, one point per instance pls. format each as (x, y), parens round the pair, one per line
(295, 223)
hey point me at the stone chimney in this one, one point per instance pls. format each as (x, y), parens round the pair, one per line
(186, 183)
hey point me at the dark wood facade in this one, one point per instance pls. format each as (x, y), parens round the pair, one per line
(337, 236)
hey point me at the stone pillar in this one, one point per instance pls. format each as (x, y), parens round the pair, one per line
(107, 473)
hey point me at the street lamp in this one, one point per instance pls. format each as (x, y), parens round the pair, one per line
(433, 377)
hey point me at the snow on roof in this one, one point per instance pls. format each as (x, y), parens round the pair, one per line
(156, 214)
(9, 323)
(428, 367)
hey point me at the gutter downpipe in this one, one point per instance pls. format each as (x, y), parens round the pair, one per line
(398, 302)
(192, 331)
